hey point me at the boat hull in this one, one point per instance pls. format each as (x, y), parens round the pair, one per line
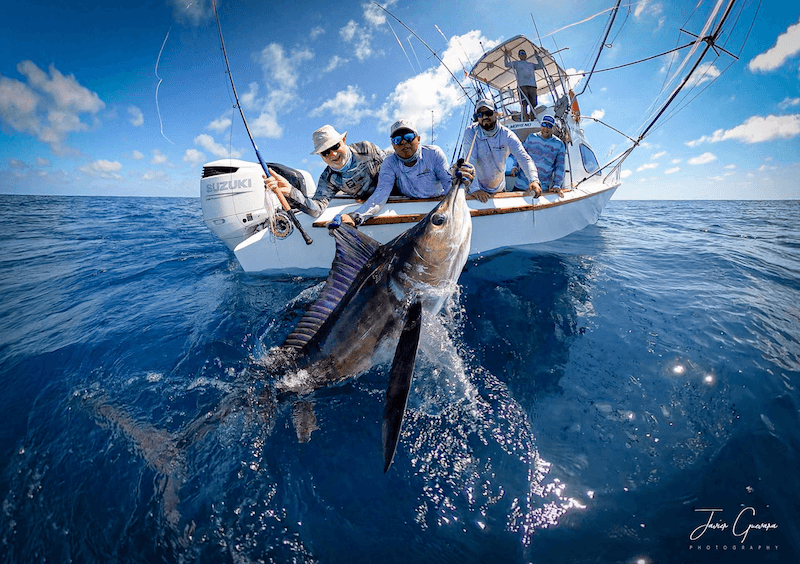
(508, 220)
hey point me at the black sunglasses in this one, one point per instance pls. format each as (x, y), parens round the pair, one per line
(328, 151)
(487, 113)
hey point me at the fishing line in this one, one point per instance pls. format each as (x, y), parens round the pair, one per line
(413, 51)
(402, 48)
(160, 80)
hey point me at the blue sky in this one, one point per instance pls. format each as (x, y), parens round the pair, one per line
(88, 107)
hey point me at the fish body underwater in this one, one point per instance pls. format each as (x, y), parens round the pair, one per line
(374, 298)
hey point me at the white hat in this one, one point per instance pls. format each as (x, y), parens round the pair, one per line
(326, 137)
(402, 124)
(484, 103)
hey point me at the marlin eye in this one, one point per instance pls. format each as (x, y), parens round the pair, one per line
(438, 219)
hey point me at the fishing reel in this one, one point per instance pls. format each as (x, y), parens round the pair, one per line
(281, 225)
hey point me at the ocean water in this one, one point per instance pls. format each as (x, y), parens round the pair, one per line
(590, 400)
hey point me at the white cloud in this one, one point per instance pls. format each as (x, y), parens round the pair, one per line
(193, 156)
(348, 106)
(40, 161)
(316, 32)
(159, 158)
(361, 35)
(220, 124)
(786, 46)
(335, 62)
(17, 164)
(704, 73)
(49, 106)
(102, 169)
(626, 173)
(648, 166)
(730, 167)
(598, 114)
(672, 170)
(282, 73)
(705, 158)
(207, 142)
(137, 156)
(787, 103)
(154, 175)
(658, 155)
(136, 116)
(756, 129)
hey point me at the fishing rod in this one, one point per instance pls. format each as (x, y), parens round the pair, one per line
(277, 192)
(710, 40)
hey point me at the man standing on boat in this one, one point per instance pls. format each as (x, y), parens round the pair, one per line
(418, 171)
(493, 143)
(547, 151)
(526, 82)
(351, 168)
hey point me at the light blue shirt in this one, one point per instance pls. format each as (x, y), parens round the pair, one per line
(429, 177)
(489, 156)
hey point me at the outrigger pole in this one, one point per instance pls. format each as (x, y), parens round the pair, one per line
(278, 193)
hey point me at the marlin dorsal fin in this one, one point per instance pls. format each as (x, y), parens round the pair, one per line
(353, 250)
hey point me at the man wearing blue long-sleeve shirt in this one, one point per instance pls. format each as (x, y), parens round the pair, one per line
(547, 151)
(490, 144)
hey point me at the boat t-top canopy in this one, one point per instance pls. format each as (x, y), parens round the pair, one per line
(491, 69)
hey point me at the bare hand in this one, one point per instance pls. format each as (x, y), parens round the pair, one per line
(482, 196)
(536, 188)
(277, 182)
(559, 191)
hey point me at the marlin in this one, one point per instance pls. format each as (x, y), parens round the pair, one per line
(374, 297)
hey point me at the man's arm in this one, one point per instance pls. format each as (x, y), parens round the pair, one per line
(383, 190)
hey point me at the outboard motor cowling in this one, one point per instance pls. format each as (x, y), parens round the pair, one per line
(234, 200)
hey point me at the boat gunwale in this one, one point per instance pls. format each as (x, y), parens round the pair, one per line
(416, 217)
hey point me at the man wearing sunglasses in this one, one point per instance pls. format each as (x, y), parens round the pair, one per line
(525, 71)
(352, 169)
(418, 171)
(493, 143)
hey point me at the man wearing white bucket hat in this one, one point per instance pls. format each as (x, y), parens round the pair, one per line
(352, 169)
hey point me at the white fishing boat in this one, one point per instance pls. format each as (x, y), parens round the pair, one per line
(252, 224)
(266, 237)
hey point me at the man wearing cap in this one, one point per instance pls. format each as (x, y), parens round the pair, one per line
(351, 168)
(490, 144)
(418, 171)
(526, 82)
(547, 152)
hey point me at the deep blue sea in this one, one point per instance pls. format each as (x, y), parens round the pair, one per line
(627, 394)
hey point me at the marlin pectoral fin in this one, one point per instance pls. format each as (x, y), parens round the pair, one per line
(400, 382)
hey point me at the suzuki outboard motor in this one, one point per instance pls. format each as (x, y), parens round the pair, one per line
(235, 202)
